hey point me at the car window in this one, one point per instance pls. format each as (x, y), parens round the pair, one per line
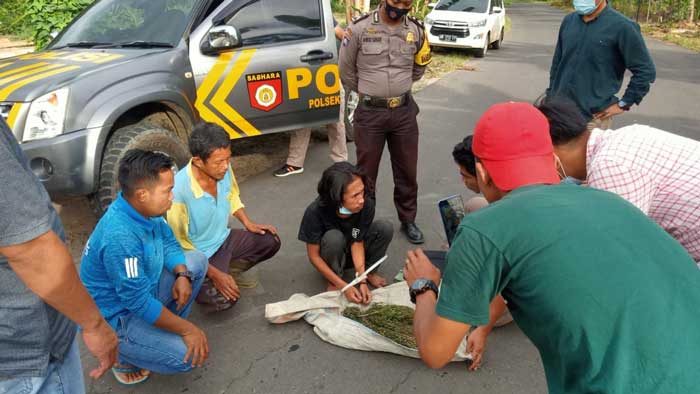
(271, 21)
(463, 5)
(120, 21)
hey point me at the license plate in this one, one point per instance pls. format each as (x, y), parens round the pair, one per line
(448, 37)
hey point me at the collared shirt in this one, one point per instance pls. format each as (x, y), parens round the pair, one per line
(31, 332)
(124, 259)
(658, 172)
(597, 286)
(198, 219)
(591, 58)
(381, 60)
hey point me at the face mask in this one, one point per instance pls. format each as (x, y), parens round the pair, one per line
(569, 180)
(394, 13)
(344, 211)
(584, 7)
(565, 179)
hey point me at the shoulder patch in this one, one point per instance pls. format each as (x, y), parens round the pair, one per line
(360, 17)
(416, 21)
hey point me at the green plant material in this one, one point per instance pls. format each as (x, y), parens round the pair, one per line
(392, 321)
(47, 16)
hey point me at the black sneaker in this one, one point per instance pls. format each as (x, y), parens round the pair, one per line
(286, 170)
(413, 233)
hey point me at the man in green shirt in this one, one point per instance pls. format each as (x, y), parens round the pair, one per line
(606, 295)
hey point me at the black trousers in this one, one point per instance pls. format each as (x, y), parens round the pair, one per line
(335, 248)
(398, 128)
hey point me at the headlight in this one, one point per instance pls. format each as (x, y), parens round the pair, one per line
(46, 116)
(480, 23)
(428, 21)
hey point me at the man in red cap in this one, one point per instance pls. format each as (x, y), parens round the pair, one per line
(603, 292)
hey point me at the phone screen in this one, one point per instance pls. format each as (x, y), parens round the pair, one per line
(452, 213)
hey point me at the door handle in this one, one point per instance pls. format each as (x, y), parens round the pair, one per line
(316, 55)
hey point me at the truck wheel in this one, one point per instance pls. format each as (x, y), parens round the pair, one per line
(351, 101)
(138, 136)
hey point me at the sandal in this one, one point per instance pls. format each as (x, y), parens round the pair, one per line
(130, 369)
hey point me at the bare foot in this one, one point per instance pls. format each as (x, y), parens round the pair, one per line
(376, 280)
(332, 287)
(132, 376)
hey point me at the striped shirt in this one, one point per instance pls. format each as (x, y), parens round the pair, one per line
(658, 172)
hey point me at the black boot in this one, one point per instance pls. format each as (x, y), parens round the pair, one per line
(415, 236)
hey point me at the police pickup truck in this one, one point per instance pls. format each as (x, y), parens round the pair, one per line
(140, 73)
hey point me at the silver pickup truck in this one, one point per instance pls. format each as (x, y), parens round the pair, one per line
(139, 73)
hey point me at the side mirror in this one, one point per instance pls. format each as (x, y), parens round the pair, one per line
(432, 5)
(497, 10)
(221, 38)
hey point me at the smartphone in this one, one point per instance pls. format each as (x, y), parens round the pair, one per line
(452, 212)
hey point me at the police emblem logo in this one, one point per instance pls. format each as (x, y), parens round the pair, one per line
(355, 232)
(265, 90)
(410, 37)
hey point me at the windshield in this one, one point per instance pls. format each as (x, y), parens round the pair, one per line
(463, 5)
(128, 21)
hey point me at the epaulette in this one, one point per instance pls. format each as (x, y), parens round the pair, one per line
(360, 17)
(416, 21)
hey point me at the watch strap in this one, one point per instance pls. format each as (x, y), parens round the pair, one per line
(430, 285)
(186, 274)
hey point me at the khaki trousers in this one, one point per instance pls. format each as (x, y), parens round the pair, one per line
(299, 140)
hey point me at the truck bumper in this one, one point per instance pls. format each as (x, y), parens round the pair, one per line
(65, 164)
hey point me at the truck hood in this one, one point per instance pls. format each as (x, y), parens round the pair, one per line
(24, 78)
(456, 16)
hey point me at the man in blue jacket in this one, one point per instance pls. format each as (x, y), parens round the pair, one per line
(139, 276)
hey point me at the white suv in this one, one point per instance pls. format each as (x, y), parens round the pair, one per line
(467, 24)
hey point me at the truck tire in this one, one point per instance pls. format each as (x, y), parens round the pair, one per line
(352, 99)
(138, 136)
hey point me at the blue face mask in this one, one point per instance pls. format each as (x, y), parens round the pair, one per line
(569, 180)
(584, 7)
(344, 211)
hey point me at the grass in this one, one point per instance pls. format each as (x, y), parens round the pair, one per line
(687, 36)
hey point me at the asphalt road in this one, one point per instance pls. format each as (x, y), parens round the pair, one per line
(249, 355)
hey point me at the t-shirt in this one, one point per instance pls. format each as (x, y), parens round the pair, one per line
(609, 299)
(317, 220)
(31, 331)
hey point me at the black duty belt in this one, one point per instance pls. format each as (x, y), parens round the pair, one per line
(384, 102)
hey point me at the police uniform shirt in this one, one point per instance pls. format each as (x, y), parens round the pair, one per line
(380, 60)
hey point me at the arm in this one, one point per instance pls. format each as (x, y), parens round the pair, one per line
(423, 56)
(357, 252)
(179, 221)
(314, 252)
(194, 338)
(347, 59)
(58, 285)
(339, 32)
(637, 59)
(476, 343)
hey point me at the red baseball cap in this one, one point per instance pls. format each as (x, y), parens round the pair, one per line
(512, 141)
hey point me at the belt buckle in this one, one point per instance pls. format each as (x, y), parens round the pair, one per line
(394, 102)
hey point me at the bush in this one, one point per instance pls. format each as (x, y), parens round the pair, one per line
(46, 16)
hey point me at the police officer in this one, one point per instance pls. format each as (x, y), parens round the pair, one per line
(382, 54)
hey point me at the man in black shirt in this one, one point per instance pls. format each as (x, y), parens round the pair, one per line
(339, 227)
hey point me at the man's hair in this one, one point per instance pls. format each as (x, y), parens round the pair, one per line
(566, 123)
(206, 138)
(335, 180)
(464, 156)
(140, 168)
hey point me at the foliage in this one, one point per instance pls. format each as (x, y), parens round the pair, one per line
(47, 16)
(392, 321)
(12, 12)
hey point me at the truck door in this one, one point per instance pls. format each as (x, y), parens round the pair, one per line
(284, 75)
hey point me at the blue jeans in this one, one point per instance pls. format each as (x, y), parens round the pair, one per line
(148, 347)
(65, 377)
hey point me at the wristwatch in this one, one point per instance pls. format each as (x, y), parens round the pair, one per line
(187, 274)
(624, 105)
(420, 286)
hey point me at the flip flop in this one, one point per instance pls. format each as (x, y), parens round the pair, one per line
(117, 370)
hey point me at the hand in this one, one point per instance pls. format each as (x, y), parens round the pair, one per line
(102, 342)
(182, 290)
(197, 346)
(226, 285)
(365, 293)
(608, 112)
(419, 266)
(476, 345)
(353, 295)
(261, 228)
